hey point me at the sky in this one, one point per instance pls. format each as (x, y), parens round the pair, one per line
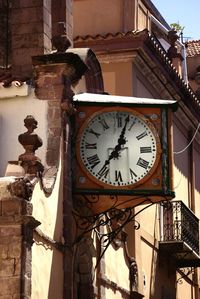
(184, 12)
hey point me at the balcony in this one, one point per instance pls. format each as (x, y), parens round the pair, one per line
(180, 234)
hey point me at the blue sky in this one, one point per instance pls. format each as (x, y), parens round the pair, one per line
(184, 12)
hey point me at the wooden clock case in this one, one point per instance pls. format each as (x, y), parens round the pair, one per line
(157, 185)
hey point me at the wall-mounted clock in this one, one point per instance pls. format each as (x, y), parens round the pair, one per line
(118, 147)
(123, 149)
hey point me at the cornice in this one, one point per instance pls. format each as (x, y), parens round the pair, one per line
(116, 46)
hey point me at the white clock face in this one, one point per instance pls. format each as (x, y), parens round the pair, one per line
(118, 148)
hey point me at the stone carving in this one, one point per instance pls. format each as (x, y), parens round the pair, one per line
(21, 188)
(60, 41)
(31, 142)
(173, 50)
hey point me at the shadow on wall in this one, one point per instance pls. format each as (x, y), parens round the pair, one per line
(47, 262)
(182, 155)
(163, 273)
(56, 276)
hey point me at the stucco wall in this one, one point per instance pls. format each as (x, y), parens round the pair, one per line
(142, 17)
(197, 180)
(181, 166)
(92, 12)
(47, 262)
(116, 268)
(118, 78)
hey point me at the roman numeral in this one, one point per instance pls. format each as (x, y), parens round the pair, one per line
(104, 124)
(103, 172)
(145, 149)
(119, 121)
(133, 174)
(142, 163)
(90, 145)
(142, 135)
(94, 133)
(93, 160)
(118, 176)
(133, 123)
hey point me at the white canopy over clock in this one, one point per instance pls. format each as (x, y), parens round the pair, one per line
(104, 98)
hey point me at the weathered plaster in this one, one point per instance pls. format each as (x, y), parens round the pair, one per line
(12, 114)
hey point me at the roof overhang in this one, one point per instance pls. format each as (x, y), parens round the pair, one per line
(148, 55)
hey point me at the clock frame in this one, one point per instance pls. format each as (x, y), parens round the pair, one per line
(157, 184)
(101, 136)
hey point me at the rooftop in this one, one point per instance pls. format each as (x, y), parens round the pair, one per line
(135, 40)
(7, 79)
(193, 48)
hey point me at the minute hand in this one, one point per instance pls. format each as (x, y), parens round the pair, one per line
(115, 153)
(121, 139)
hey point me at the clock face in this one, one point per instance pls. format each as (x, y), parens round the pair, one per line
(118, 147)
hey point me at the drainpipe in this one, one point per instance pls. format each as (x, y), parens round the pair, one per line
(183, 50)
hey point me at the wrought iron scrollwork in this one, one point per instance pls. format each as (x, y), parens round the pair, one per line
(184, 272)
(116, 220)
(113, 220)
(180, 224)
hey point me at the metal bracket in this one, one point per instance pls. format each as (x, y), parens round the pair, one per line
(184, 272)
(114, 219)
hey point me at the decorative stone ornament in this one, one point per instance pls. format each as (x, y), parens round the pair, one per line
(123, 151)
(60, 41)
(173, 50)
(31, 142)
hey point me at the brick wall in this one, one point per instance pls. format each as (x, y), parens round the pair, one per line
(10, 257)
(33, 23)
(31, 32)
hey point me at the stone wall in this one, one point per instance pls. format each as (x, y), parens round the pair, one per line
(16, 224)
(10, 254)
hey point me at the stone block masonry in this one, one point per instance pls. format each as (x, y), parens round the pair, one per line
(10, 248)
(15, 216)
(31, 33)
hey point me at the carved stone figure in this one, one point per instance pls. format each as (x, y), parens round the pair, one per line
(31, 142)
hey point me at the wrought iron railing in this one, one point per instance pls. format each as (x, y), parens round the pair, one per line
(180, 224)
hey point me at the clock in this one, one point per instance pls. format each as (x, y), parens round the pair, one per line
(123, 152)
(118, 148)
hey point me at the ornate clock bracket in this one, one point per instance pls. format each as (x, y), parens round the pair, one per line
(113, 219)
(134, 132)
(184, 274)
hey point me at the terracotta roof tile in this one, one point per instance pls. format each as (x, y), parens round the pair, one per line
(7, 79)
(193, 48)
(106, 36)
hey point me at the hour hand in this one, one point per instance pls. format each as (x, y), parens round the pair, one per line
(113, 155)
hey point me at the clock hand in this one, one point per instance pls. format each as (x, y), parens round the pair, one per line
(122, 140)
(115, 153)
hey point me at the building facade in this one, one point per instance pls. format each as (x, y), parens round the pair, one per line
(51, 246)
